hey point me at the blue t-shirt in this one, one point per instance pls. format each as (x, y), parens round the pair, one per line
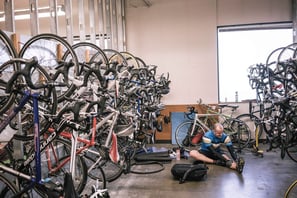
(209, 139)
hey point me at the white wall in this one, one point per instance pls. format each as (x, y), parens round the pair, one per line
(180, 37)
(236, 12)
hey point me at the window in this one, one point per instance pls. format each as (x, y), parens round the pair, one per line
(242, 46)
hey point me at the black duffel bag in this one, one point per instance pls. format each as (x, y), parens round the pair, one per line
(191, 172)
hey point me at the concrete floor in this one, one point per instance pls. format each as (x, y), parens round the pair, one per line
(264, 177)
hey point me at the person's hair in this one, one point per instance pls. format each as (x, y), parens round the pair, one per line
(218, 125)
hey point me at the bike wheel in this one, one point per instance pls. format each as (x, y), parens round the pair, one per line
(251, 121)
(131, 59)
(183, 136)
(55, 159)
(114, 56)
(7, 187)
(150, 167)
(85, 51)
(238, 131)
(111, 170)
(292, 190)
(95, 172)
(49, 49)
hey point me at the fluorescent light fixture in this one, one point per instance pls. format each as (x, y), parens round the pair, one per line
(43, 12)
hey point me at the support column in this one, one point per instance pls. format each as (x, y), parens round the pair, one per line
(92, 21)
(113, 24)
(294, 19)
(120, 6)
(69, 24)
(9, 15)
(53, 16)
(34, 22)
(107, 17)
(101, 24)
(81, 20)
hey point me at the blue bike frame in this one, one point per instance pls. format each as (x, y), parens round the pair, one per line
(11, 115)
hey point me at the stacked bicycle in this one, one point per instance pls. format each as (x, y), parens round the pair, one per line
(96, 109)
(275, 85)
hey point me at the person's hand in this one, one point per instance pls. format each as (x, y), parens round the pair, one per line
(233, 165)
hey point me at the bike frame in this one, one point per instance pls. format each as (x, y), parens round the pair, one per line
(37, 178)
(38, 147)
(68, 135)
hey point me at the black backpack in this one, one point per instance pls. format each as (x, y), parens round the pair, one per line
(191, 172)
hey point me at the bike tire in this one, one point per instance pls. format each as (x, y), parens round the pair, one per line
(61, 148)
(114, 55)
(150, 167)
(291, 190)
(85, 52)
(182, 134)
(251, 121)
(7, 187)
(111, 170)
(292, 150)
(95, 173)
(232, 127)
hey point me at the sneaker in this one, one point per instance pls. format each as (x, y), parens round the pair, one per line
(240, 164)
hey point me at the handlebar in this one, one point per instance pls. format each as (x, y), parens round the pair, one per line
(25, 72)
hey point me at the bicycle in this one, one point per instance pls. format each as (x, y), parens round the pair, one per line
(30, 182)
(198, 123)
(23, 181)
(60, 152)
(260, 120)
(117, 144)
